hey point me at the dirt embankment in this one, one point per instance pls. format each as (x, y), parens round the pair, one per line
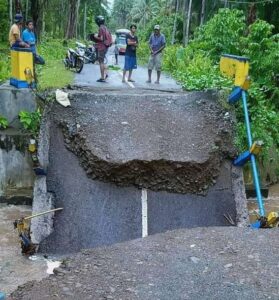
(168, 142)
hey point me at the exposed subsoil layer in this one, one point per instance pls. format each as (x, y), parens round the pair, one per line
(201, 263)
(173, 142)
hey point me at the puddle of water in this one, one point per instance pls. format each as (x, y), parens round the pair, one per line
(270, 204)
(16, 269)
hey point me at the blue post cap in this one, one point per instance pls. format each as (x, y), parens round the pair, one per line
(2, 296)
(242, 159)
(21, 49)
(237, 57)
(256, 225)
(235, 95)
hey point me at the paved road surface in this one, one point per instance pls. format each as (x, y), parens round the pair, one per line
(91, 73)
(201, 263)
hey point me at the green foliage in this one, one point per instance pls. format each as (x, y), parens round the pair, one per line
(31, 121)
(201, 74)
(53, 74)
(114, 68)
(221, 34)
(264, 120)
(143, 52)
(5, 63)
(3, 122)
(53, 49)
(196, 67)
(4, 21)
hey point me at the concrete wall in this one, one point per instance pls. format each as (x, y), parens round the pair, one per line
(13, 100)
(16, 171)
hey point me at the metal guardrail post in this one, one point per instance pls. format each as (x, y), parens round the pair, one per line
(253, 159)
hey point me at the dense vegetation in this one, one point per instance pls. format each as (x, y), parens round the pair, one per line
(196, 67)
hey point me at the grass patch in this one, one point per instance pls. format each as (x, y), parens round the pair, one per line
(5, 63)
(114, 68)
(54, 75)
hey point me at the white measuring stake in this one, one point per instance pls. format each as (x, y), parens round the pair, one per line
(144, 213)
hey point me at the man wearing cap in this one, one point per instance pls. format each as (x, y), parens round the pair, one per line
(14, 34)
(157, 43)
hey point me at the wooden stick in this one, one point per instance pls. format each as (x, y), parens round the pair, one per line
(43, 213)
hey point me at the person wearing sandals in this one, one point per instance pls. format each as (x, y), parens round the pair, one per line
(131, 53)
(157, 43)
(102, 49)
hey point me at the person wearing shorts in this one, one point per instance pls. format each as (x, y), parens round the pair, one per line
(157, 43)
(101, 47)
(131, 53)
(116, 53)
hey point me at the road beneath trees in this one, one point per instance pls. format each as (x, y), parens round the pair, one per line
(91, 73)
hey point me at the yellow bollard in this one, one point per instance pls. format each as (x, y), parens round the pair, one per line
(22, 67)
(256, 148)
(236, 67)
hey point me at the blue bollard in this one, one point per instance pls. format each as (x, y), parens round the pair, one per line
(2, 296)
(253, 159)
(242, 159)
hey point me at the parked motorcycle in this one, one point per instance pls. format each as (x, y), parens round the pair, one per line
(74, 60)
(88, 53)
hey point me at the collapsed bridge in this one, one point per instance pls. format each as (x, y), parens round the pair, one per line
(126, 165)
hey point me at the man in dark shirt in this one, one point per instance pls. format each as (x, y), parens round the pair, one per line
(131, 53)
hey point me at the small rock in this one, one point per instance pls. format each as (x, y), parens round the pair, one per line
(194, 259)
(192, 246)
(228, 266)
(124, 123)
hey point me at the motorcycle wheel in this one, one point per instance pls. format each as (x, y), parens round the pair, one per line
(66, 63)
(79, 65)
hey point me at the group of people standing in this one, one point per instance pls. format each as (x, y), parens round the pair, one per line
(157, 43)
(25, 38)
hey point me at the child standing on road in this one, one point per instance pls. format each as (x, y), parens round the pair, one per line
(116, 53)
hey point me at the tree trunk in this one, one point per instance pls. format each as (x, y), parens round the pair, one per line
(185, 13)
(11, 12)
(71, 26)
(43, 22)
(202, 12)
(252, 14)
(188, 23)
(77, 17)
(84, 21)
(35, 14)
(26, 9)
(226, 3)
(174, 23)
(18, 7)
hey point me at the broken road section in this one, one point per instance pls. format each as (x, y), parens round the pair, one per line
(174, 143)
